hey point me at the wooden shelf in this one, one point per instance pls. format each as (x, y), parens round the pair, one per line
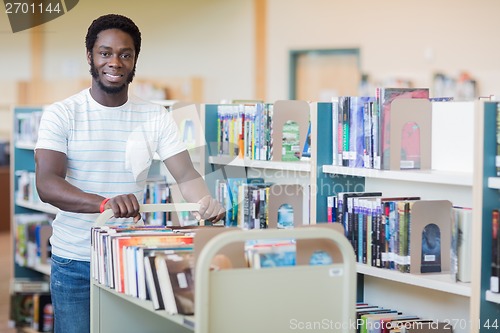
(441, 281)
(245, 162)
(426, 176)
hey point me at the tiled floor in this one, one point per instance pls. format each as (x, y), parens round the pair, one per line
(5, 275)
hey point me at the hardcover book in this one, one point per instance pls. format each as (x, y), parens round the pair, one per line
(175, 276)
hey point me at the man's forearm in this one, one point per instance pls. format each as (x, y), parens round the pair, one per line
(61, 194)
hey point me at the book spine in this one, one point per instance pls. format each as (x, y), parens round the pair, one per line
(497, 160)
(495, 258)
(345, 131)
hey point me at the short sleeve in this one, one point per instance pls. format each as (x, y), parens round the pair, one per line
(54, 129)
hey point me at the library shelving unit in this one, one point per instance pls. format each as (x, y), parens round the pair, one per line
(306, 173)
(229, 300)
(22, 159)
(437, 296)
(486, 198)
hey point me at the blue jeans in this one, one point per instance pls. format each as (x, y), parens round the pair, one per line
(70, 292)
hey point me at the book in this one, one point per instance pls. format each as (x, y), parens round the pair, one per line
(495, 252)
(357, 146)
(463, 218)
(43, 314)
(306, 150)
(152, 283)
(118, 244)
(21, 309)
(335, 131)
(404, 216)
(175, 276)
(410, 143)
(291, 142)
(344, 102)
(497, 159)
(270, 253)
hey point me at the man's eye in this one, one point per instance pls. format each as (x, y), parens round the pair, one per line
(105, 54)
(126, 56)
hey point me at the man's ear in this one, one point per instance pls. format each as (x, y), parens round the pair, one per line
(89, 58)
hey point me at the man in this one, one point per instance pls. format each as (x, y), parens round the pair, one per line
(93, 153)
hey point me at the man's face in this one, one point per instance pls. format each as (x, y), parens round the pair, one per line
(112, 60)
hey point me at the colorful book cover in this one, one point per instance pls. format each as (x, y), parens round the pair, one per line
(151, 240)
(176, 278)
(410, 137)
(273, 255)
(285, 216)
(431, 249)
(291, 142)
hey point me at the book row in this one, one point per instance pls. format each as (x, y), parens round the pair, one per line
(156, 263)
(247, 203)
(361, 130)
(245, 130)
(381, 231)
(31, 243)
(120, 259)
(31, 305)
(372, 318)
(26, 127)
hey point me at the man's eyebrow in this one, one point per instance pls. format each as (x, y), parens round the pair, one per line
(125, 49)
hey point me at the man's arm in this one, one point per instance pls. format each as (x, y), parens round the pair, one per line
(52, 187)
(193, 186)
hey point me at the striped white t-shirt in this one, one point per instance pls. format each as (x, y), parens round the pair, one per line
(109, 151)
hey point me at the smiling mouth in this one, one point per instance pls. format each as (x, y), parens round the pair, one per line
(113, 77)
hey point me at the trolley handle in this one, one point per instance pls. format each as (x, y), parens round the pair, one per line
(149, 208)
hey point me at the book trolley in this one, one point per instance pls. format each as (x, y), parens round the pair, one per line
(280, 299)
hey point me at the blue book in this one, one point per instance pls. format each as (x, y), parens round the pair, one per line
(357, 130)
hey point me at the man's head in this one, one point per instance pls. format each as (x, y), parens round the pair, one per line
(98, 30)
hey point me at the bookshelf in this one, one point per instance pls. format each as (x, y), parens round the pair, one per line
(436, 296)
(486, 198)
(309, 174)
(22, 159)
(223, 305)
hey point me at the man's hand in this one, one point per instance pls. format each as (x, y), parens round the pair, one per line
(210, 210)
(124, 205)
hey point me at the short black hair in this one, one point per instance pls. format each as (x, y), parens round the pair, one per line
(113, 21)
